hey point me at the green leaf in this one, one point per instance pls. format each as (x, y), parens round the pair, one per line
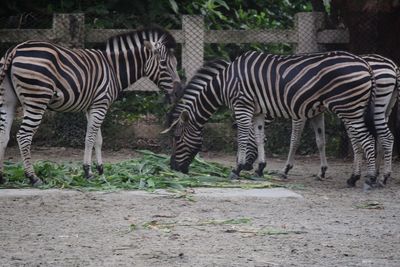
(174, 6)
(370, 204)
(229, 221)
(222, 3)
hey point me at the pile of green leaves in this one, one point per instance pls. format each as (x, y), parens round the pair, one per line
(149, 172)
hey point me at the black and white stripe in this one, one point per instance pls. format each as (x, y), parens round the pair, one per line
(387, 89)
(42, 75)
(298, 87)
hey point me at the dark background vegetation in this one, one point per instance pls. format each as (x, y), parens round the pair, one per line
(373, 27)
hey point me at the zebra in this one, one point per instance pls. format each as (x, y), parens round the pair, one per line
(387, 76)
(296, 86)
(42, 75)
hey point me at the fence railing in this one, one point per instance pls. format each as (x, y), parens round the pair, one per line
(307, 35)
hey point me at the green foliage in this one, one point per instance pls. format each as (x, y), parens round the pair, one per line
(219, 137)
(219, 14)
(69, 129)
(149, 172)
(278, 136)
(245, 14)
(133, 105)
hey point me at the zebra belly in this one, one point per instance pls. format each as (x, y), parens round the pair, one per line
(67, 103)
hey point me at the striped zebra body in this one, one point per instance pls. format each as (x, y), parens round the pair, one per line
(42, 75)
(298, 87)
(387, 89)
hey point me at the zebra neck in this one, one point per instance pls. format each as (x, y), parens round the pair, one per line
(202, 105)
(128, 65)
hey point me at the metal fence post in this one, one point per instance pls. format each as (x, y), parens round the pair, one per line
(307, 25)
(193, 46)
(68, 29)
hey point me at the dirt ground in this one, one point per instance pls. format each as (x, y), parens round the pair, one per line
(331, 225)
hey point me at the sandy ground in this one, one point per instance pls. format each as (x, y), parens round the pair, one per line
(330, 225)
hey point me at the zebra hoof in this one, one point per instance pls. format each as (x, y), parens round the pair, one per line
(385, 178)
(323, 171)
(351, 182)
(287, 169)
(367, 187)
(371, 183)
(233, 176)
(36, 181)
(260, 170)
(319, 177)
(100, 169)
(87, 172)
(282, 175)
(322, 175)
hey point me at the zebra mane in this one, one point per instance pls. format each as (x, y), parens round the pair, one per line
(209, 69)
(154, 34)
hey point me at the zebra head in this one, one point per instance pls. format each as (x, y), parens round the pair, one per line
(186, 140)
(198, 101)
(161, 68)
(145, 52)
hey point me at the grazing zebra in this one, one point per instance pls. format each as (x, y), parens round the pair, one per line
(42, 75)
(387, 76)
(296, 86)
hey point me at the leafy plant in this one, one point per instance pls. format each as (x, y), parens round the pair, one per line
(149, 172)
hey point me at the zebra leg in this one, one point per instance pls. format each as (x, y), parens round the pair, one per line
(95, 117)
(7, 114)
(33, 114)
(368, 145)
(97, 148)
(243, 115)
(357, 153)
(318, 125)
(369, 149)
(259, 137)
(297, 129)
(385, 141)
(379, 156)
(251, 153)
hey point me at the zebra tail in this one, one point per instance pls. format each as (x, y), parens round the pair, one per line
(5, 63)
(398, 98)
(369, 112)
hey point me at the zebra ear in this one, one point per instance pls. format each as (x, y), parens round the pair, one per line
(170, 127)
(184, 118)
(149, 45)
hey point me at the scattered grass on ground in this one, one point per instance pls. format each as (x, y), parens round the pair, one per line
(149, 172)
(241, 225)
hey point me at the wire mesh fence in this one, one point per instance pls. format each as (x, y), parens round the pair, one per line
(137, 118)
